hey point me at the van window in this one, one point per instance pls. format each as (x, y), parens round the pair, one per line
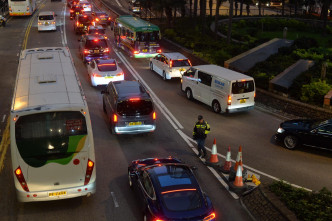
(242, 87)
(205, 78)
(190, 73)
(133, 108)
(45, 17)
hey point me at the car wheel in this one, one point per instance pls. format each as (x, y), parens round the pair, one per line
(164, 76)
(216, 107)
(104, 106)
(189, 94)
(129, 180)
(290, 142)
(151, 66)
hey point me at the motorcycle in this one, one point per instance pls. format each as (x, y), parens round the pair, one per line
(2, 21)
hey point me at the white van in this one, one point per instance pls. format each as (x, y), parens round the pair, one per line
(225, 90)
(46, 21)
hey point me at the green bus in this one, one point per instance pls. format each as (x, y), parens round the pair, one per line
(136, 36)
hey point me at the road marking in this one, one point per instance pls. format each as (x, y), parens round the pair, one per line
(64, 26)
(118, 3)
(3, 118)
(4, 145)
(114, 200)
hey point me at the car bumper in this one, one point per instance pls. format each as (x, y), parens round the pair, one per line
(134, 129)
(278, 137)
(239, 109)
(47, 28)
(95, 81)
(89, 189)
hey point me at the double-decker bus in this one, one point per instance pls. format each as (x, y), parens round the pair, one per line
(21, 7)
(136, 36)
(51, 143)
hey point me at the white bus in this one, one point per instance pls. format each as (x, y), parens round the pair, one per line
(52, 147)
(21, 7)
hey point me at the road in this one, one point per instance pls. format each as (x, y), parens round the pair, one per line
(114, 200)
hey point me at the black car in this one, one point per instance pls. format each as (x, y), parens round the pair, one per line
(96, 29)
(308, 132)
(92, 47)
(102, 18)
(129, 108)
(75, 10)
(168, 190)
(82, 22)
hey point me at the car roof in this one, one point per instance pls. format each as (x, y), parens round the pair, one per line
(174, 55)
(94, 36)
(96, 27)
(127, 89)
(46, 13)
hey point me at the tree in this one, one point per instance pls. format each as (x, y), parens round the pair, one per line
(195, 7)
(210, 7)
(229, 33)
(324, 13)
(216, 17)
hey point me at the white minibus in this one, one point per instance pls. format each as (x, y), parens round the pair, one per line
(221, 88)
(52, 147)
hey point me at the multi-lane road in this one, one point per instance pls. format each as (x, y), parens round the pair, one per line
(114, 200)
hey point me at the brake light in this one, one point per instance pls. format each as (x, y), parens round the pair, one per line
(134, 99)
(109, 18)
(189, 62)
(97, 19)
(106, 50)
(136, 52)
(180, 190)
(157, 219)
(115, 118)
(53, 22)
(154, 115)
(95, 40)
(158, 50)
(171, 63)
(20, 178)
(89, 170)
(210, 217)
(77, 23)
(71, 10)
(39, 23)
(85, 16)
(86, 51)
(96, 75)
(119, 74)
(229, 100)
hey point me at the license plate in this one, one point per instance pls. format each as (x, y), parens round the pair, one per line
(242, 101)
(81, 25)
(103, 19)
(145, 50)
(77, 13)
(134, 123)
(61, 193)
(109, 76)
(96, 51)
(46, 23)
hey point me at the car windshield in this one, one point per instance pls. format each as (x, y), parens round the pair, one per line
(134, 107)
(317, 123)
(180, 63)
(52, 136)
(96, 43)
(97, 31)
(109, 66)
(45, 17)
(241, 87)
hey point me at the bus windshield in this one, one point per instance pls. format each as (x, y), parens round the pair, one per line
(147, 36)
(50, 136)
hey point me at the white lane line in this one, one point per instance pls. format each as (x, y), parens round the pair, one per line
(138, 77)
(3, 118)
(17, 54)
(118, 3)
(64, 26)
(116, 204)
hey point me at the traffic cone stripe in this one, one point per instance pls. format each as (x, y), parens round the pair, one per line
(228, 164)
(238, 158)
(238, 182)
(214, 156)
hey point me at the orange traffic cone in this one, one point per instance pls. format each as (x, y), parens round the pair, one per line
(227, 165)
(214, 157)
(238, 158)
(238, 186)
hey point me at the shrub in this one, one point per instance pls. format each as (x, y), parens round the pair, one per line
(170, 33)
(314, 92)
(305, 43)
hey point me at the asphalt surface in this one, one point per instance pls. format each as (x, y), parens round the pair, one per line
(253, 130)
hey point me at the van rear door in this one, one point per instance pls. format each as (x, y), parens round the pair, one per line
(242, 93)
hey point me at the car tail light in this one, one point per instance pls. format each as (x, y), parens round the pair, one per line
(229, 100)
(40, 23)
(53, 22)
(134, 99)
(95, 40)
(210, 217)
(71, 10)
(97, 19)
(86, 51)
(106, 50)
(96, 75)
(28, 8)
(171, 63)
(85, 16)
(189, 62)
(77, 23)
(115, 118)
(109, 18)
(157, 219)
(120, 74)
(158, 50)
(136, 52)
(154, 115)
(89, 170)
(20, 178)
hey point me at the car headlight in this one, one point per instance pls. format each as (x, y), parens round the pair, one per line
(280, 130)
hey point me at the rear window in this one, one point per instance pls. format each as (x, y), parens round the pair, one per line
(111, 66)
(243, 87)
(83, 19)
(97, 31)
(45, 17)
(96, 43)
(136, 107)
(182, 200)
(50, 137)
(180, 63)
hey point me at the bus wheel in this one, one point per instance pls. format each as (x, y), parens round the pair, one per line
(189, 94)
(164, 76)
(216, 107)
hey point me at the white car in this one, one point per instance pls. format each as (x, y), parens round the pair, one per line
(46, 21)
(103, 71)
(170, 64)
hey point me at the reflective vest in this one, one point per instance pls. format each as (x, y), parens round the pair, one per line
(201, 129)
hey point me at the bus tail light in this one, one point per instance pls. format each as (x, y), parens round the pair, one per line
(210, 217)
(109, 18)
(106, 50)
(171, 63)
(115, 118)
(96, 75)
(154, 115)
(89, 170)
(136, 52)
(229, 100)
(20, 178)
(28, 8)
(158, 50)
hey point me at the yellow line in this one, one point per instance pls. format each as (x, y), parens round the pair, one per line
(4, 145)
